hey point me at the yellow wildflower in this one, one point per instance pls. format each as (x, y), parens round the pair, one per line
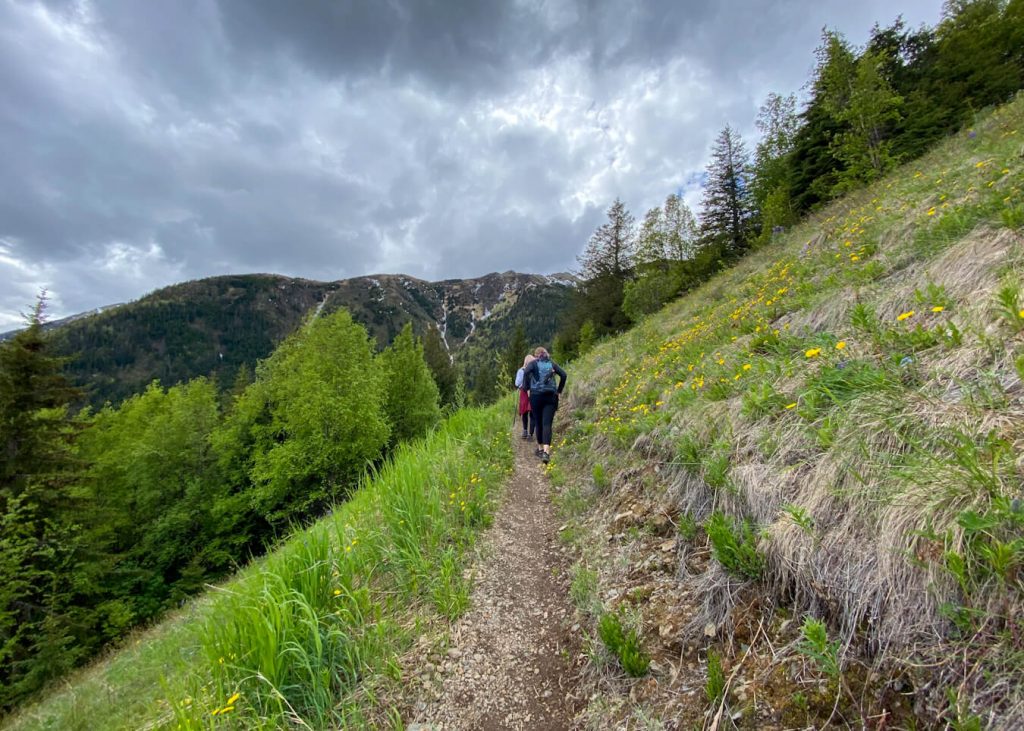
(791, 406)
(746, 366)
(931, 211)
(233, 698)
(938, 308)
(905, 315)
(813, 352)
(840, 345)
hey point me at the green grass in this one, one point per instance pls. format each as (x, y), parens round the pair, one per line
(305, 635)
(714, 687)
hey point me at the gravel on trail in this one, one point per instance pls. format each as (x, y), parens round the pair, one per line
(508, 664)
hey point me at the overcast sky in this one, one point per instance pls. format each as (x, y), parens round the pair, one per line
(146, 143)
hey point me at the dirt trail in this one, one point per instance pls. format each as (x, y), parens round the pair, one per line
(508, 665)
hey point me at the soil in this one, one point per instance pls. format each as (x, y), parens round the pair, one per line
(508, 663)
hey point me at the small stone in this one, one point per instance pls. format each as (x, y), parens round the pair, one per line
(710, 630)
(668, 546)
(454, 654)
(622, 519)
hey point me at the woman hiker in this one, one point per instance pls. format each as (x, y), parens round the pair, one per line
(524, 400)
(539, 382)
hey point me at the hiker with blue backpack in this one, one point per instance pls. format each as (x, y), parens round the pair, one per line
(539, 383)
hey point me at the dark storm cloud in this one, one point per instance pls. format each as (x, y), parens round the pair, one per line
(145, 143)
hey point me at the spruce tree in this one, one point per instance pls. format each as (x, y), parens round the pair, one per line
(611, 248)
(726, 207)
(486, 380)
(604, 267)
(38, 539)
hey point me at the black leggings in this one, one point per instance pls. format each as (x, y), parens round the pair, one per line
(528, 419)
(544, 406)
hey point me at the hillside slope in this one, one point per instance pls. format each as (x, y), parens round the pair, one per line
(211, 327)
(306, 635)
(831, 431)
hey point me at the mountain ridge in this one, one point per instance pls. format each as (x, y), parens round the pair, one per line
(216, 325)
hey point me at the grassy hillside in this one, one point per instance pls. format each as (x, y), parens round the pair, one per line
(303, 636)
(832, 430)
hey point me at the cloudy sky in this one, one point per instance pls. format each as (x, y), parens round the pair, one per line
(146, 143)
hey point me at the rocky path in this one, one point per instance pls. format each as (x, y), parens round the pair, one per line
(508, 663)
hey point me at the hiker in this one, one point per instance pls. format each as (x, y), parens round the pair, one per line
(539, 382)
(524, 400)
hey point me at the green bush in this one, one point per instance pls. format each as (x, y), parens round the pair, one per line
(648, 293)
(624, 645)
(815, 645)
(312, 421)
(735, 546)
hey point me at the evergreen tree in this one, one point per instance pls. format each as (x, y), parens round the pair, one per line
(857, 95)
(38, 538)
(486, 380)
(441, 368)
(516, 351)
(980, 60)
(604, 267)
(726, 207)
(411, 395)
(611, 247)
(588, 338)
(813, 167)
(564, 347)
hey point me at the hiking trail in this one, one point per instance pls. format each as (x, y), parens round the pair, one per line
(509, 660)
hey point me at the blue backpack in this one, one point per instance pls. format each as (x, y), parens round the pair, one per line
(545, 380)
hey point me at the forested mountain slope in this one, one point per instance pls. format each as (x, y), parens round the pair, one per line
(213, 327)
(802, 482)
